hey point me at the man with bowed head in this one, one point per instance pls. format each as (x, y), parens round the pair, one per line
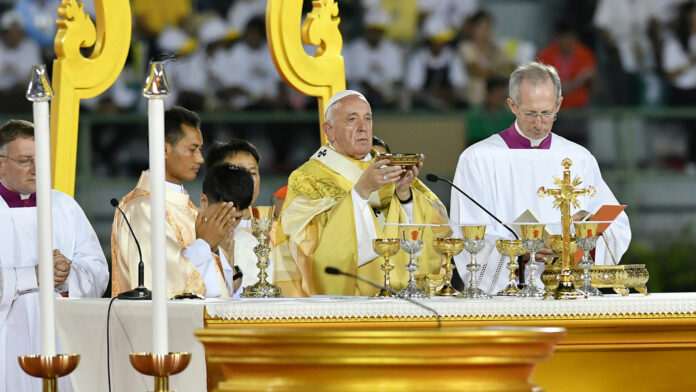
(504, 172)
(339, 201)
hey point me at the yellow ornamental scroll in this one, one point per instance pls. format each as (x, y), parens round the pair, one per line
(76, 77)
(321, 75)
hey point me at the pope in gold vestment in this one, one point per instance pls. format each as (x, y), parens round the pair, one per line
(317, 230)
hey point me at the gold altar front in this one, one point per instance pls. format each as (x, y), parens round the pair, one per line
(642, 351)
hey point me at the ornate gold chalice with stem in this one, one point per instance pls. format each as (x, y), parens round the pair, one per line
(473, 243)
(386, 247)
(261, 225)
(532, 242)
(586, 240)
(448, 247)
(512, 248)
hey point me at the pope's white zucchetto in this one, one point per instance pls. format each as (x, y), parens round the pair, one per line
(339, 96)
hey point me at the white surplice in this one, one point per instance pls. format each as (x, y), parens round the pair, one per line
(505, 181)
(74, 237)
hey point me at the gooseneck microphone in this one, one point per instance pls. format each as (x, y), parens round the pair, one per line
(140, 292)
(336, 271)
(434, 178)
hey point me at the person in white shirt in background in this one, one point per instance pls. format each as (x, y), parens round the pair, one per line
(80, 269)
(18, 54)
(435, 76)
(374, 64)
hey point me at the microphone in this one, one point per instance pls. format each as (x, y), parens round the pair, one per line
(336, 271)
(140, 292)
(434, 178)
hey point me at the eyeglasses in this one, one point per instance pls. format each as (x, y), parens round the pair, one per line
(23, 162)
(545, 116)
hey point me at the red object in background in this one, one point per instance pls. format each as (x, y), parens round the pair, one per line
(580, 60)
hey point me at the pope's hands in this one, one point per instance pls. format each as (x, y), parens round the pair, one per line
(61, 268)
(377, 175)
(216, 222)
(403, 184)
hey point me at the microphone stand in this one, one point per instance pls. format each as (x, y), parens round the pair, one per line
(141, 292)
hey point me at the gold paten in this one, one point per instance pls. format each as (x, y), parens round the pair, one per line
(386, 247)
(160, 366)
(564, 196)
(49, 368)
(620, 278)
(449, 247)
(340, 360)
(401, 159)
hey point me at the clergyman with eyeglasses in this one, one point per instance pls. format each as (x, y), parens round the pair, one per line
(80, 269)
(504, 171)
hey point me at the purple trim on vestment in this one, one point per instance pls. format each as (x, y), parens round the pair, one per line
(515, 141)
(14, 199)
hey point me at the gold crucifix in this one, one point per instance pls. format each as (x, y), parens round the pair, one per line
(565, 195)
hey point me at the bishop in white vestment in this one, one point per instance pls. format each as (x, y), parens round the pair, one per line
(504, 172)
(73, 237)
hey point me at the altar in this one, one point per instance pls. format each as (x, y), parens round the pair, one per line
(634, 342)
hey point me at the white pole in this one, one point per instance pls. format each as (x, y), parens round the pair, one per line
(42, 156)
(155, 111)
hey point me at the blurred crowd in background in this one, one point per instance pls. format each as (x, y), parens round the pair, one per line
(404, 54)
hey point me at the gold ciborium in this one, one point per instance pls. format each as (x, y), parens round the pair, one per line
(473, 243)
(448, 247)
(49, 368)
(586, 238)
(160, 366)
(532, 242)
(512, 248)
(261, 225)
(386, 247)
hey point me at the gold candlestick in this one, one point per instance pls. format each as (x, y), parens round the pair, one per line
(564, 195)
(160, 366)
(386, 247)
(49, 368)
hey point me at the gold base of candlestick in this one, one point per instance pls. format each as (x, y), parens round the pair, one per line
(160, 366)
(49, 368)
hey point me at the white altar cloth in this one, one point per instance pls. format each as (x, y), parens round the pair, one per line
(82, 324)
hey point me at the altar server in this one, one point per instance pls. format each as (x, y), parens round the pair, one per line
(80, 269)
(339, 200)
(504, 171)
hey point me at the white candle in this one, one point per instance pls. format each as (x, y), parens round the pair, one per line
(155, 111)
(42, 154)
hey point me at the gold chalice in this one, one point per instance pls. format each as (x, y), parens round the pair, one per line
(449, 247)
(411, 238)
(473, 243)
(261, 225)
(586, 234)
(556, 244)
(386, 247)
(532, 242)
(512, 248)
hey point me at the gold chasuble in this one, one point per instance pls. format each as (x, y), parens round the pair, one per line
(317, 229)
(182, 275)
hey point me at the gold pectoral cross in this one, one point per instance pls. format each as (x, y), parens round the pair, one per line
(565, 195)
